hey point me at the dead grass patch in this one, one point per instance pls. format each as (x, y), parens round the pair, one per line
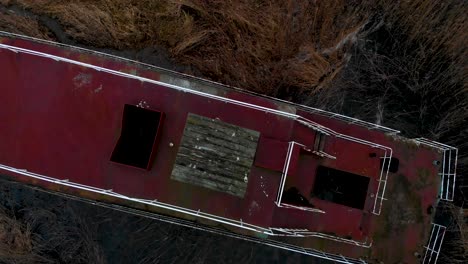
(18, 24)
(16, 242)
(280, 48)
(455, 246)
(288, 49)
(43, 236)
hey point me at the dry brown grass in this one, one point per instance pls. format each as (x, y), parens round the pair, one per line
(287, 49)
(280, 48)
(16, 242)
(43, 236)
(22, 25)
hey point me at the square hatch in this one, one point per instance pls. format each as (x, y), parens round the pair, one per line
(341, 187)
(138, 138)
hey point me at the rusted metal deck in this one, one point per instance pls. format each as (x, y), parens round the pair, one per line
(116, 131)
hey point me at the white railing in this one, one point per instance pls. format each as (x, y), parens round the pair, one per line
(284, 176)
(448, 167)
(435, 243)
(156, 203)
(382, 180)
(307, 122)
(347, 119)
(379, 194)
(303, 208)
(297, 232)
(191, 224)
(272, 243)
(388, 152)
(352, 120)
(189, 212)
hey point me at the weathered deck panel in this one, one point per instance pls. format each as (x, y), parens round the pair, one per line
(215, 155)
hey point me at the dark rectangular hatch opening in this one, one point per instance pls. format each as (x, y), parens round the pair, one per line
(138, 137)
(341, 187)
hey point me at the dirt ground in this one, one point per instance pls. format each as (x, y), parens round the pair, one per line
(401, 64)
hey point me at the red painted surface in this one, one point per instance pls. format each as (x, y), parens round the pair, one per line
(271, 154)
(63, 121)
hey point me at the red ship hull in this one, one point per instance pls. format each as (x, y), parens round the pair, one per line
(61, 119)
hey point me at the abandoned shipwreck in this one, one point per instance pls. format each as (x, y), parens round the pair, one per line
(197, 153)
